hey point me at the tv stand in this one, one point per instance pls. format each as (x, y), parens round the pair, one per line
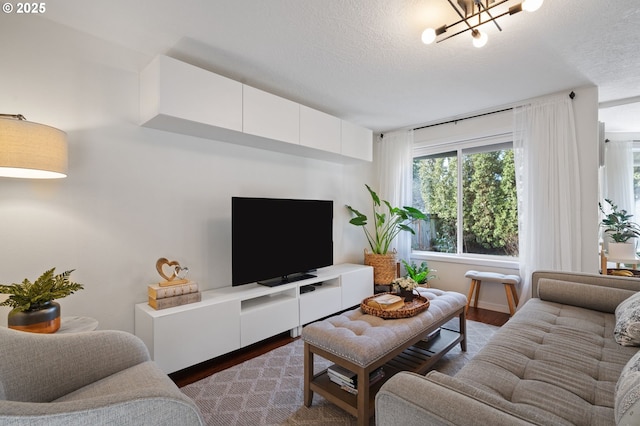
(292, 278)
(233, 317)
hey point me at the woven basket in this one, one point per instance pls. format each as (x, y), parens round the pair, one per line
(384, 267)
(417, 305)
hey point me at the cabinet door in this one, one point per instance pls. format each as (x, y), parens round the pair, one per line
(357, 142)
(191, 336)
(319, 303)
(172, 88)
(319, 130)
(270, 116)
(267, 316)
(356, 284)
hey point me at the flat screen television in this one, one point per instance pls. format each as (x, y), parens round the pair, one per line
(275, 241)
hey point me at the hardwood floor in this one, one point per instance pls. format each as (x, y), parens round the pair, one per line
(487, 317)
(207, 368)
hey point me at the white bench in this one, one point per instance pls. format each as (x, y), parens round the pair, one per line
(509, 282)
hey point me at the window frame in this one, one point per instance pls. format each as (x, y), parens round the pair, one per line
(422, 149)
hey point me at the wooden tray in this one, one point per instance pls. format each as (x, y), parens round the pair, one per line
(417, 305)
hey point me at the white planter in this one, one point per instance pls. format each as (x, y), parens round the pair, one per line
(622, 250)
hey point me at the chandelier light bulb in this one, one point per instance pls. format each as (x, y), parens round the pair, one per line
(531, 5)
(479, 38)
(428, 36)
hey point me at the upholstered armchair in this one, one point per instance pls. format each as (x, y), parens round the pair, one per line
(91, 378)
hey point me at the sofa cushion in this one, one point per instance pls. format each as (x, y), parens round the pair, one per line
(551, 351)
(627, 405)
(603, 299)
(627, 331)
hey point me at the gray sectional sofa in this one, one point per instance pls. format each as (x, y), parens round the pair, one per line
(569, 356)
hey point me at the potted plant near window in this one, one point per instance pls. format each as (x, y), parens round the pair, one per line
(388, 222)
(621, 230)
(34, 309)
(420, 274)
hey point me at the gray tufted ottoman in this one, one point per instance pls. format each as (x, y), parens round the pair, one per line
(362, 343)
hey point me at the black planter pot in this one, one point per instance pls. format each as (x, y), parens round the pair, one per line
(43, 320)
(407, 294)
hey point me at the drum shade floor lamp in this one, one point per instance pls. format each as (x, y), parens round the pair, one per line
(31, 150)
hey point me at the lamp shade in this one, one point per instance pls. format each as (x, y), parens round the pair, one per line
(32, 150)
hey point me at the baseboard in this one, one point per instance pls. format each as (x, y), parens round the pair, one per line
(491, 306)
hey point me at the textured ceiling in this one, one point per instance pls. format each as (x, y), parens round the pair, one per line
(363, 60)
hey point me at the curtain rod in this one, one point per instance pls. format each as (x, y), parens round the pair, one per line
(464, 118)
(572, 95)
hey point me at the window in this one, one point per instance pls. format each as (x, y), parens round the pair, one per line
(485, 207)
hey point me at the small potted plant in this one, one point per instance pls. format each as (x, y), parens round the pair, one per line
(621, 230)
(405, 286)
(33, 304)
(387, 224)
(421, 274)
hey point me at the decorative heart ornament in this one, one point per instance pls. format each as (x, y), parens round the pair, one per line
(172, 265)
(181, 272)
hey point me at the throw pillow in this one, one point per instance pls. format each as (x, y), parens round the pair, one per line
(627, 401)
(627, 330)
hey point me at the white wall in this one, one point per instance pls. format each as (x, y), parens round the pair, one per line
(587, 134)
(451, 271)
(133, 194)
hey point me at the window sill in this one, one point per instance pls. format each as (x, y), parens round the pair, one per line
(468, 259)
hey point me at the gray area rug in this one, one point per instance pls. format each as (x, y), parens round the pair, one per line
(267, 390)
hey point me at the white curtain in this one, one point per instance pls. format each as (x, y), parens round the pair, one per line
(547, 175)
(618, 175)
(394, 164)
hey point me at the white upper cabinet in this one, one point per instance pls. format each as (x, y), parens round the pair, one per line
(182, 98)
(171, 88)
(270, 116)
(320, 130)
(357, 142)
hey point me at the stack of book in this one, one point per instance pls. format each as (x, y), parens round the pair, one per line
(386, 302)
(166, 295)
(348, 380)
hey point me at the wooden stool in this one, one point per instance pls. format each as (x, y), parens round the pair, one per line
(509, 282)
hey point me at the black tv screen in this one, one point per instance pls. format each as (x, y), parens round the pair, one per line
(275, 241)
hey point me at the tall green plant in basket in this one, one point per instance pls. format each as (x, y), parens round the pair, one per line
(388, 222)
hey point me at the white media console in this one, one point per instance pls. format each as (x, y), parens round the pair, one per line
(230, 318)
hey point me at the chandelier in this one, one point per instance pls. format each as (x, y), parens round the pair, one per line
(473, 14)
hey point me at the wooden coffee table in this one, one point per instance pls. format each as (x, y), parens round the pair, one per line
(362, 343)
